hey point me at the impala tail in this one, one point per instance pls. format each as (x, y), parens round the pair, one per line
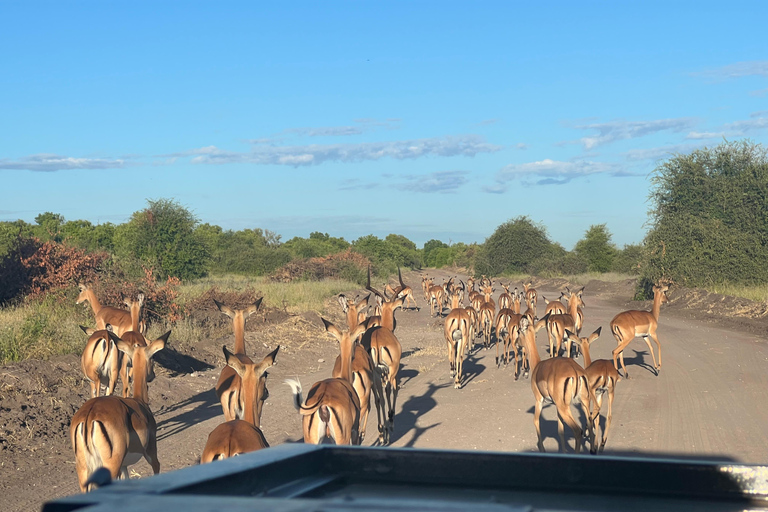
(295, 386)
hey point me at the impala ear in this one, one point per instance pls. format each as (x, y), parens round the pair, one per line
(122, 346)
(252, 308)
(224, 309)
(358, 331)
(87, 330)
(363, 301)
(570, 334)
(343, 302)
(234, 362)
(140, 298)
(109, 328)
(82, 287)
(595, 335)
(269, 359)
(158, 345)
(127, 303)
(332, 329)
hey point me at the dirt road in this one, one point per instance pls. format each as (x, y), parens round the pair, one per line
(709, 399)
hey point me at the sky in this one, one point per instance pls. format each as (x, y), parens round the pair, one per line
(427, 119)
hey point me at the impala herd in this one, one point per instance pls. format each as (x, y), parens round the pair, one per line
(115, 432)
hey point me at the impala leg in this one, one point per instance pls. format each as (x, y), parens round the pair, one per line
(653, 356)
(393, 385)
(619, 351)
(607, 420)
(567, 417)
(537, 423)
(658, 345)
(150, 454)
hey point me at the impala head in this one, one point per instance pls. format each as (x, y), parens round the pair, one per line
(586, 341)
(348, 303)
(346, 342)
(236, 314)
(661, 289)
(140, 357)
(254, 382)
(575, 298)
(83, 296)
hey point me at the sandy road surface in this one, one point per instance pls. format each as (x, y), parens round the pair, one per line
(709, 400)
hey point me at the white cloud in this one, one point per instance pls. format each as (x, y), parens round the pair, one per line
(624, 130)
(316, 154)
(737, 70)
(443, 182)
(551, 172)
(704, 135)
(46, 162)
(748, 125)
(661, 151)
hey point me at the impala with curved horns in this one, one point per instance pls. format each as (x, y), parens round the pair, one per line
(386, 351)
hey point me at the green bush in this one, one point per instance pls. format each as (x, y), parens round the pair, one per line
(710, 217)
(516, 246)
(596, 249)
(163, 236)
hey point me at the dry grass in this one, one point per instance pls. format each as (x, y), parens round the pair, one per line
(296, 296)
(47, 328)
(41, 330)
(758, 293)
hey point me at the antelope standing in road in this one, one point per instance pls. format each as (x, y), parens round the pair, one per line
(332, 408)
(457, 331)
(557, 324)
(119, 319)
(229, 386)
(628, 325)
(603, 378)
(114, 432)
(236, 437)
(561, 380)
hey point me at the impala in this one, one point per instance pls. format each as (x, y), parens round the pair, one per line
(100, 360)
(561, 380)
(242, 436)
(119, 319)
(555, 307)
(628, 325)
(365, 379)
(557, 324)
(530, 294)
(114, 432)
(506, 332)
(386, 351)
(602, 377)
(436, 300)
(457, 331)
(404, 291)
(505, 299)
(133, 336)
(229, 385)
(332, 408)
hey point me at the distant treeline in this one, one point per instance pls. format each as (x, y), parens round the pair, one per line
(708, 224)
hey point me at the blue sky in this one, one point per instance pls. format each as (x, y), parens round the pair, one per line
(427, 119)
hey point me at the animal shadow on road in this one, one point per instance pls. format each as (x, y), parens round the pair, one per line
(638, 360)
(178, 364)
(549, 427)
(472, 368)
(412, 409)
(207, 407)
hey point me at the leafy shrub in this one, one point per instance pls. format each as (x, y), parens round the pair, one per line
(710, 217)
(515, 247)
(596, 249)
(163, 236)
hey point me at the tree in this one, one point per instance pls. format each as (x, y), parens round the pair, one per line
(515, 246)
(596, 248)
(709, 217)
(163, 236)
